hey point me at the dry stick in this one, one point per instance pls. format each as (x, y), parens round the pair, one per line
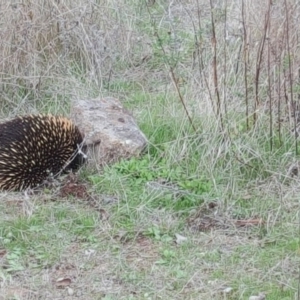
(269, 89)
(224, 98)
(290, 74)
(214, 44)
(259, 60)
(109, 79)
(245, 64)
(286, 98)
(171, 69)
(200, 59)
(201, 66)
(181, 98)
(278, 62)
(298, 83)
(279, 102)
(226, 200)
(270, 100)
(225, 62)
(175, 82)
(199, 53)
(298, 289)
(238, 60)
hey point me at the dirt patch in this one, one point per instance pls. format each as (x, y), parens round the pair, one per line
(141, 253)
(208, 217)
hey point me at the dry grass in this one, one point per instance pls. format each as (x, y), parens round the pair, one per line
(224, 179)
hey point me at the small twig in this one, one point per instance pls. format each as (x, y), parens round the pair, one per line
(200, 58)
(171, 70)
(269, 89)
(215, 70)
(279, 102)
(245, 64)
(225, 61)
(79, 151)
(181, 98)
(259, 61)
(290, 75)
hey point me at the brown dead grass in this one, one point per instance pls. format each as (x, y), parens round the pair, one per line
(53, 51)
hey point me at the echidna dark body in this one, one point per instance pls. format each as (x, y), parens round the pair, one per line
(36, 146)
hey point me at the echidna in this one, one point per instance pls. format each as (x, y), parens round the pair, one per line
(34, 147)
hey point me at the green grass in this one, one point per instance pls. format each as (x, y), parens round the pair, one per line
(38, 240)
(167, 226)
(156, 195)
(177, 192)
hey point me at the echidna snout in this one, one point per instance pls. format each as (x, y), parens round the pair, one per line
(36, 146)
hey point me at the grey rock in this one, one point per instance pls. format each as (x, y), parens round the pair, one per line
(110, 130)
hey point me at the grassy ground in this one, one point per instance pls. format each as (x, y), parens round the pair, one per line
(211, 208)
